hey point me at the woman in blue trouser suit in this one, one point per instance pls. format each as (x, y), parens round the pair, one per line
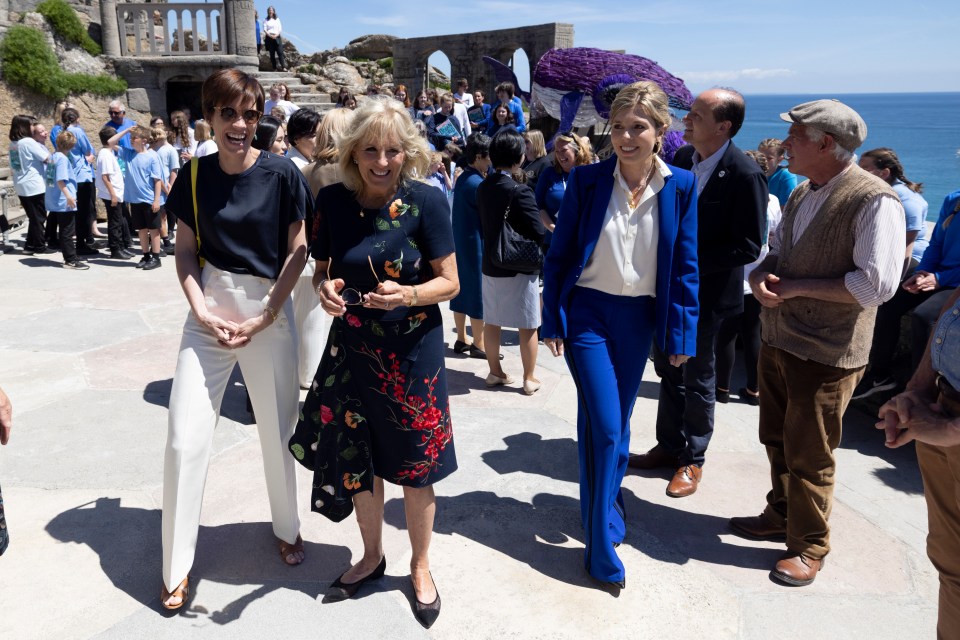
(622, 268)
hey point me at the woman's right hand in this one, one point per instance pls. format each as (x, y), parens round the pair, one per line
(555, 345)
(329, 300)
(223, 330)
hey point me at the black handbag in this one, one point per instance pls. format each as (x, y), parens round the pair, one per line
(513, 251)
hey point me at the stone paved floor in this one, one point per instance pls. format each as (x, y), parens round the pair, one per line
(87, 358)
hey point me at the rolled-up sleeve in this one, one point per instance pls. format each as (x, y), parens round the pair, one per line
(878, 251)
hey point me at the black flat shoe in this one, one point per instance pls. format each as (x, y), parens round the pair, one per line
(426, 614)
(340, 590)
(749, 397)
(479, 354)
(461, 347)
(723, 395)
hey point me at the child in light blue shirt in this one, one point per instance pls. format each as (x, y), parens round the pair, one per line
(61, 198)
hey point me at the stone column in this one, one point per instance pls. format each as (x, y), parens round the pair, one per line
(109, 29)
(239, 26)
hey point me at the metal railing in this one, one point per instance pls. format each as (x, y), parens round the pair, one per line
(180, 29)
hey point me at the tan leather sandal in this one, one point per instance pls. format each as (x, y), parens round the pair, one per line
(287, 549)
(182, 591)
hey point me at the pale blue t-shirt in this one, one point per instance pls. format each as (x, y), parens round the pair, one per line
(143, 170)
(169, 162)
(59, 168)
(915, 207)
(79, 153)
(26, 162)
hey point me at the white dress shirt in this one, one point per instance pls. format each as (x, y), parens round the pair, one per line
(624, 262)
(703, 167)
(880, 235)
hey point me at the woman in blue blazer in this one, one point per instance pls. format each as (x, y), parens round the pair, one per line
(621, 270)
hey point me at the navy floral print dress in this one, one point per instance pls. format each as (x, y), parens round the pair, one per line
(378, 403)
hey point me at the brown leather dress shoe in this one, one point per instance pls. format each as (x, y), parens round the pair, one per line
(656, 458)
(758, 528)
(685, 481)
(796, 569)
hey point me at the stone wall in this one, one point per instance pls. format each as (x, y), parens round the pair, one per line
(466, 50)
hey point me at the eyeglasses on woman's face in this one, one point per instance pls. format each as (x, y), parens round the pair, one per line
(250, 116)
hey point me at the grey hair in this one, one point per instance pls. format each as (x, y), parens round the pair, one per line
(841, 154)
(118, 104)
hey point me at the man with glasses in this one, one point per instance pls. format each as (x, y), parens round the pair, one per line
(120, 122)
(731, 216)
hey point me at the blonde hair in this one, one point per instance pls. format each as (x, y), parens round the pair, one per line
(157, 134)
(66, 141)
(202, 131)
(584, 154)
(331, 130)
(651, 98)
(537, 146)
(379, 119)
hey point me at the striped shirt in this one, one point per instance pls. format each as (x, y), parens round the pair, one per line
(880, 230)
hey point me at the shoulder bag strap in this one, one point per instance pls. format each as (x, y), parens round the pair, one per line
(194, 164)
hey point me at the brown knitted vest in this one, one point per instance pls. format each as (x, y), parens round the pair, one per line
(831, 333)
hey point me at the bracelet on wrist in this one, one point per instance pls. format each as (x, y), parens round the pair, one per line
(320, 285)
(415, 298)
(271, 311)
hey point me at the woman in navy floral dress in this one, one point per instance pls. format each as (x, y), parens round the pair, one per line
(377, 409)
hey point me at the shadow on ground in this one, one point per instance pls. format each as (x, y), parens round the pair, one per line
(127, 540)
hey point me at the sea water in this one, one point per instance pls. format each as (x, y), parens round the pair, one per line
(922, 128)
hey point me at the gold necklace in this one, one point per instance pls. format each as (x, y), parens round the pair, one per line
(635, 193)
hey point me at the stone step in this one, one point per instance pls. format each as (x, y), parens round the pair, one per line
(292, 83)
(5, 173)
(315, 98)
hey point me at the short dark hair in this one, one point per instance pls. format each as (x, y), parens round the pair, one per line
(21, 127)
(506, 148)
(105, 134)
(266, 133)
(302, 124)
(507, 87)
(732, 107)
(226, 86)
(478, 146)
(462, 82)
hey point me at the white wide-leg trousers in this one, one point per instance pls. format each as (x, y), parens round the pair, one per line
(269, 367)
(313, 325)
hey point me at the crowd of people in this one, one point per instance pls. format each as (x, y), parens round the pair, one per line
(314, 253)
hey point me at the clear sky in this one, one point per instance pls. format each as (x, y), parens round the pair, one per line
(812, 46)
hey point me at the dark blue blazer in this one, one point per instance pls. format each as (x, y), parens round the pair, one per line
(579, 224)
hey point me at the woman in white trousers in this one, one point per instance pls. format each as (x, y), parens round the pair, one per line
(237, 269)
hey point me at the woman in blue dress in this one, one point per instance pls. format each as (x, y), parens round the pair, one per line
(468, 240)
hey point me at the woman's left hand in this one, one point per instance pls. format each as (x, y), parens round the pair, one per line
(678, 359)
(245, 332)
(388, 295)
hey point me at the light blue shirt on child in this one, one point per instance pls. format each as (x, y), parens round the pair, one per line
(143, 170)
(59, 168)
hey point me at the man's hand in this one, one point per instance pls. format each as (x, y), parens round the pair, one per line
(763, 285)
(920, 281)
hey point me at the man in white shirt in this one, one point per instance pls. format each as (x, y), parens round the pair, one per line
(836, 256)
(463, 95)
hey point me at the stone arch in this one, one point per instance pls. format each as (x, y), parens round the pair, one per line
(466, 50)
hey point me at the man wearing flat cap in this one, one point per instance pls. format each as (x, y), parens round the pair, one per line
(836, 256)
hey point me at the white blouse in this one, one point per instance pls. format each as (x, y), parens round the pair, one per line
(624, 262)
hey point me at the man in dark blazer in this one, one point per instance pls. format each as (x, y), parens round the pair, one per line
(731, 216)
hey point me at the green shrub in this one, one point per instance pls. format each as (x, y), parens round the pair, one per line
(65, 22)
(359, 59)
(28, 61)
(386, 63)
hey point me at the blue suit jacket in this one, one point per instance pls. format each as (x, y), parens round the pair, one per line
(579, 224)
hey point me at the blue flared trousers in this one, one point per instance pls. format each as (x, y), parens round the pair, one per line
(608, 339)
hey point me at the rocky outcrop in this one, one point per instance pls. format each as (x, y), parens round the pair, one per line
(372, 47)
